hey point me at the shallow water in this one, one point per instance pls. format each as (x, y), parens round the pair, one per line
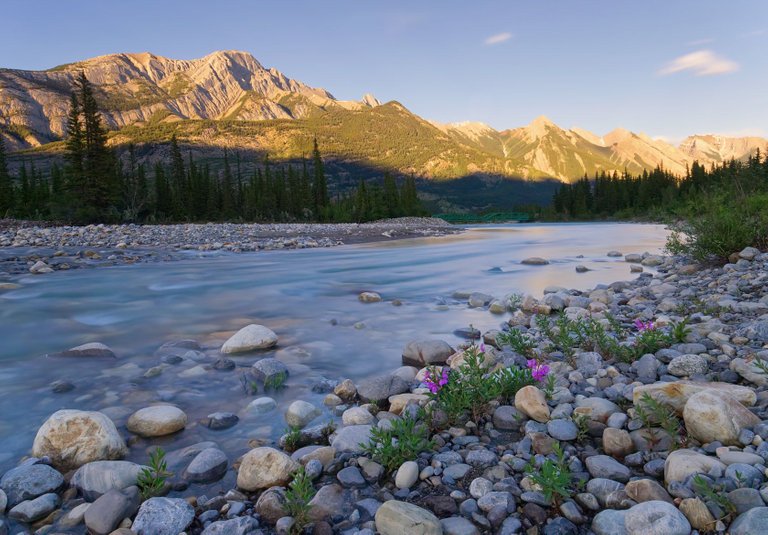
(298, 294)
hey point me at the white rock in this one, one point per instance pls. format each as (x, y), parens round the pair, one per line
(157, 421)
(262, 468)
(407, 475)
(249, 338)
(711, 416)
(300, 413)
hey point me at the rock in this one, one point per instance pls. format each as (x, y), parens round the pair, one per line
(29, 481)
(749, 253)
(682, 463)
(497, 307)
(330, 501)
(108, 511)
(506, 418)
(72, 438)
(73, 517)
(349, 439)
(562, 429)
(40, 268)
(457, 471)
(752, 522)
(534, 261)
(617, 442)
(269, 370)
(261, 405)
(646, 490)
(599, 409)
(3, 501)
(748, 370)
(676, 394)
(357, 416)
(407, 475)
(346, 390)
(686, 365)
(398, 518)
(243, 525)
(729, 456)
(271, 505)
(656, 518)
(218, 421)
(90, 350)
(31, 510)
(607, 467)
(588, 363)
(324, 454)
(300, 413)
(421, 353)
(458, 525)
(652, 261)
(99, 477)
(249, 338)
(609, 522)
(580, 268)
(351, 477)
(163, 516)
(209, 465)
(697, 514)
(369, 297)
(157, 421)
(399, 402)
(531, 401)
(262, 468)
(715, 416)
(381, 388)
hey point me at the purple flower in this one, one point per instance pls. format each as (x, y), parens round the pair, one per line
(436, 383)
(482, 347)
(644, 325)
(538, 371)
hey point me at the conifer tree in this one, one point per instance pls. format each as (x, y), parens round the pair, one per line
(320, 186)
(6, 186)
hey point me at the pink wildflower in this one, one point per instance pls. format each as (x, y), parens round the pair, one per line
(644, 325)
(539, 371)
(436, 383)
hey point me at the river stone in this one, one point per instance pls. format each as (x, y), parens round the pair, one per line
(381, 388)
(72, 438)
(646, 490)
(652, 261)
(588, 363)
(209, 465)
(300, 413)
(608, 468)
(108, 511)
(262, 405)
(497, 307)
(369, 297)
(698, 514)
(262, 468)
(686, 365)
(729, 456)
(271, 505)
(599, 409)
(531, 401)
(357, 416)
(535, 261)
(99, 477)
(269, 369)
(748, 370)
(478, 300)
(3, 501)
(506, 418)
(330, 501)
(93, 350)
(407, 475)
(219, 421)
(351, 477)
(399, 402)
(602, 488)
(243, 525)
(249, 338)
(656, 518)
(27, 482)
(750, 523)
(715, 416)
(682, 463)
(562, 429)
(350, 438)
(676, 394)
(420, 353)
(157, 421)
(398, 518)
(617, 442)
(163, 516)
(609, 522)
(31, 510)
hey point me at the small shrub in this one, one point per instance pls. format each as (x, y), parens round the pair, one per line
(151, 479)
(517, 340)
(652, 413)
(275, 382)
(716, 495)
(554, 477)
(297, 497)
(680, 331)
(292, 438)
(403, 442)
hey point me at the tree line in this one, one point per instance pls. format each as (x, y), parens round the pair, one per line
(95, 185)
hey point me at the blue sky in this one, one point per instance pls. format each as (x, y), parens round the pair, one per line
(666, 68)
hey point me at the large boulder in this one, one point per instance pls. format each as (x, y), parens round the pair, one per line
(715, 416)
(99, 477)
(398, 518)
(249, 338)
(72, 438)
(676, 394)
(157, 421)
(531, 401)
(420, 353)
(29, 481)
(107, 512)
(209, 465)
(382, 387)
(163, 516)
(350, 438)
(682, 463)
(262, 468)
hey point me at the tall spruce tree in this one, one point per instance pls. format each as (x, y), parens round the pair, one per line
(320, 186)
(6, 186)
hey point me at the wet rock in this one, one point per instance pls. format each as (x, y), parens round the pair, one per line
(209, 465)
(380, 388)
(369, 297)
(108, 511)
(90, 350)
(346, 390)
(397, 518)
(250, 338)
(32, 510)
(99, 477)
(40, 268)
(534, 261)
(262, 468)
(478, 300)
(163, 516)
(27, 482)
(300, 413)
(72, 438)
(715, 416)
(350, 438)
(219, 421)
(157, 421)
(269, 370)
(420, 353)
(261, 405)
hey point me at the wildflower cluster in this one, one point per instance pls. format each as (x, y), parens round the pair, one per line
(538, 371)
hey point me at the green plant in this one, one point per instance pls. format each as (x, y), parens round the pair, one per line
(650, 341)
(292, 438)
(715, 495)
(554, 477)
(653, 413)
(517, 340)
(151, 479)
(402, 441)
(514, 301)
(549, 387)
(276, 381)
(511, 379)
(297, 497)
(582, 426)
(680, 330)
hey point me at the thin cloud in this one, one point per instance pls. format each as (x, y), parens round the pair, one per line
(701, 63)
(498, 38)
(700, 42)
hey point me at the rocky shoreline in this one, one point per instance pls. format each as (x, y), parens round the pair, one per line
(40, 248)
(635, 408)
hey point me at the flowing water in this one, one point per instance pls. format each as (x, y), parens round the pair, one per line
(308, 297)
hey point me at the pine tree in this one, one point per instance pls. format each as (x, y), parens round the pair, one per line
(320, 186)
(6, 186)
(179, 187)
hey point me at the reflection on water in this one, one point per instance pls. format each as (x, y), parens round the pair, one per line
(309, 297)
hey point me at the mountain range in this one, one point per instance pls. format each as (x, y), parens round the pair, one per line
(228, 99)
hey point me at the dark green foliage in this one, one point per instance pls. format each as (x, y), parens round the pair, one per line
(402, 442)
(6, 187)
(553, 476)
(151, 479)
(297, 497)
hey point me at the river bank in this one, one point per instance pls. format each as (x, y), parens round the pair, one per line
(480, 475)
(51, 247)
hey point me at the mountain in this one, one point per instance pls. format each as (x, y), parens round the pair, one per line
(229, 100)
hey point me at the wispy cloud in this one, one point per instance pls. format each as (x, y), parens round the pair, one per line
(700, 42)
(498, 38)
(701, 63)
(756, 33)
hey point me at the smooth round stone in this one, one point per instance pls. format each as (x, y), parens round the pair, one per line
(261, 405)
(157, 421)
(686, 365)
(31, 510)
(163, 516)
(349, 439)
(300, 413)
(602, 466)
(656, 518)
(27, 482)
(351, 477)
(458, 525)
(480, 487)
(457, 471)
(398, 518)
(535, 261)
(262, 468)
(369, 297)
(99, 477)
(207, 466)
(752, 522)
(218, 421)
(407, 475)
(268, 369)
(507, 418)
(562, 429)
(357, 416)
(243, 525)
(609, 522)
(249, 338)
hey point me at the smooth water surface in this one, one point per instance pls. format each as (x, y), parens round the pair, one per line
(308, 297)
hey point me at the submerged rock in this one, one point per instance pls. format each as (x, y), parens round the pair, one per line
(249, 338)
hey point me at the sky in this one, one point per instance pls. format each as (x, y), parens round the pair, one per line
(666, 68)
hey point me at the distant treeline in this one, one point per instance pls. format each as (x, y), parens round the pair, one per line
(94, 185)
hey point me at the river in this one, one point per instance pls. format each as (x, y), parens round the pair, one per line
(308, 297)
